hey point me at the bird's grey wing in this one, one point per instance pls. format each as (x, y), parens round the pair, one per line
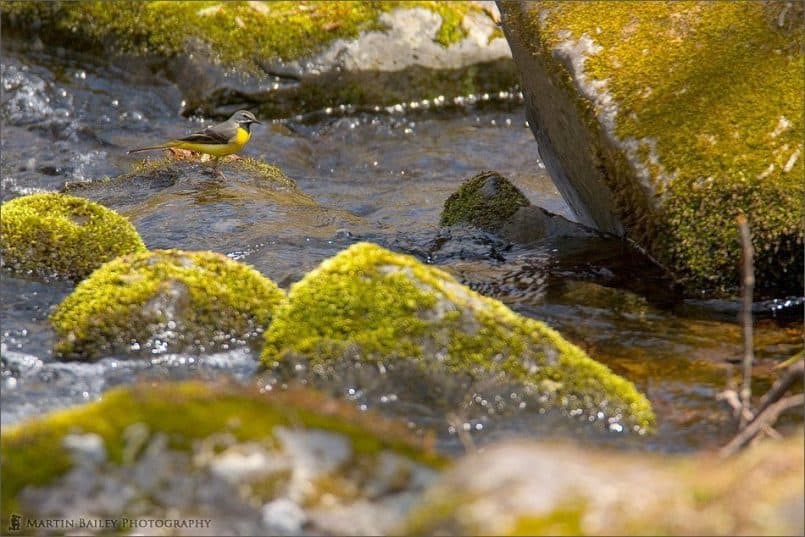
(216, 134)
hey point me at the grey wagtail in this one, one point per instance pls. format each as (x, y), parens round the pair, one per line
(218, 140)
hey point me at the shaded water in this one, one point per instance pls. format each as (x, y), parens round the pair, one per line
(381, 177)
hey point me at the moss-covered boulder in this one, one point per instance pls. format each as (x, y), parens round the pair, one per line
(568, 490)
(663, 121)
(378, 305)
(164, 301)
(490, 202)
(485, 201)
(61, 236)
(222, 452)
(293, 57)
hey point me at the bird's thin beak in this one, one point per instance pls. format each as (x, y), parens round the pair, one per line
(256, 121)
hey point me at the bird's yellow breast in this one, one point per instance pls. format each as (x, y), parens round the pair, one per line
(242, 136)
(234, 145)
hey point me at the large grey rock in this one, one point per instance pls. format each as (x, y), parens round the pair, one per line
(653, 128)
(290, 59)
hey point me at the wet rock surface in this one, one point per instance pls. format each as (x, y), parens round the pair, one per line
(305, 57)
(378, 173)
(489, 201)
(154, 192)
(164, 301)
(57, 236)
(195, 473)
(371, 306)
(668, 151)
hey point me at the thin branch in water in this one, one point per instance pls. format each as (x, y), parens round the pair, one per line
(764, 419)
(747, 288)
(464, 435)
(793, 373)
(768, 430)
(783, 13)
(459, 420)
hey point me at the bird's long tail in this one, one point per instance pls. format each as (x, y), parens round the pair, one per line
(166, 145)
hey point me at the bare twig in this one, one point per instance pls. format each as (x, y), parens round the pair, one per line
(464, 435)
(772, 404)
(762, 420)
(768, 430)
(791, 361)
(778, 389)
(747, 287)
(460, 420)
(783, 13)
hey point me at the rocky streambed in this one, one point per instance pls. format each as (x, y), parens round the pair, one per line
(381, 316)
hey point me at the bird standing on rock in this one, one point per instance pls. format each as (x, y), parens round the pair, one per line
(219, 140)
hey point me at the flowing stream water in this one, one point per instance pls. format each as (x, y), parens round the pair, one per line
(382, 177)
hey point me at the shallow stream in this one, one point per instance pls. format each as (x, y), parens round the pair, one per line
(380, 176)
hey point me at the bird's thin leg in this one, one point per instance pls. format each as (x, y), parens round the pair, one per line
(216, 171)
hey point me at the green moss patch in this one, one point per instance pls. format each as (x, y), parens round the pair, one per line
(710, 95)
(170, 168)
(238, 32)
(57, 235)
(187, 411)
(486, 201)
(165, 300)
(381, 305)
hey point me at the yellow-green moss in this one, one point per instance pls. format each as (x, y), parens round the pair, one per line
(62, 236)
(33, 452)
(187, 300)
(268, 171)
(486, 201)
(563, 521)
(385, 305)
(247, 167)
(710, 82)
(239, 32)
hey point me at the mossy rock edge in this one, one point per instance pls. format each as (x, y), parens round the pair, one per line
(164, 300)
(33, 453)
(280, 30)
(379, 305)
(485, 201)
(293, 48)
(62, 236)
(665, 121)
(171, 168)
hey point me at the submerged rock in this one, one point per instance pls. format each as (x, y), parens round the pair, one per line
(372, 305)
(291, 57)
(247, 462)
(567, 490)
(490, 202)
(164, 301)
(486, 201)
(181, 166)
(655, 125)
(61, 236)
(180, 199)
